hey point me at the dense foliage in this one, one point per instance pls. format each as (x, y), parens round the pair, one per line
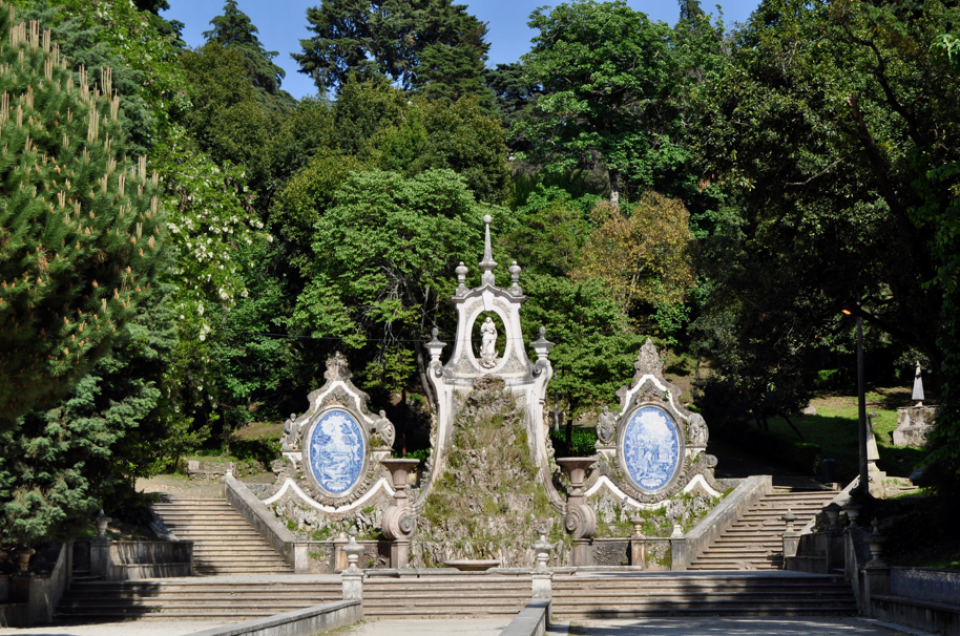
(80, 222)
(726, 192)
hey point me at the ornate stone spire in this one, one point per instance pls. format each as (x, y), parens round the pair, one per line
(487, 264)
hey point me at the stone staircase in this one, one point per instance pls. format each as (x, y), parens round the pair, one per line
(445, 595)
(701, 594)
(754, 542)
(223, 541)
(225, 599)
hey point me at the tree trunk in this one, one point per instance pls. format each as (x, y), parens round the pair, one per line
(614, 188)
(424, 379)
(795, 429)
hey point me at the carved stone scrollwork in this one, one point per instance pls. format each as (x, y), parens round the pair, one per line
(581, 521)
(399, 522)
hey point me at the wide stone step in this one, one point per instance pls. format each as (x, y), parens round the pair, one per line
(233, 615)
(187, 602)
(196, 587)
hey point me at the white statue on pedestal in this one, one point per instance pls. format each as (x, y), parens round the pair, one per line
(488, 352)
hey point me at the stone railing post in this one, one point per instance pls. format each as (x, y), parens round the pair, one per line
(638, 542)
(876, 574)
(352, 577)
(100, 547)
(580, 520)
(791, 538)
(399, 520)
(542, 576)
(340, 562)
(678, 550)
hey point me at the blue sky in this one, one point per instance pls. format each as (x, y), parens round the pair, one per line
(283, 23)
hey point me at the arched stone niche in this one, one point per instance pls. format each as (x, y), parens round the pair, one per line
(499, 346)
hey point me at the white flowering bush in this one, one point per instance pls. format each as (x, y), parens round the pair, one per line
(210, 217)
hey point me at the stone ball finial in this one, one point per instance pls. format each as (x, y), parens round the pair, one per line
(543, 331)
(434, 332)
(487, 219)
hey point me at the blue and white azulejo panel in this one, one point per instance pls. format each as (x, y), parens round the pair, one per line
(651, 448)
(337, 448)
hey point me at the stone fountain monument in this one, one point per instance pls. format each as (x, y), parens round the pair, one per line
(491, 477)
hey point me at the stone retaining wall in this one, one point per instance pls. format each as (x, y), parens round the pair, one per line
(305, 622)
(927, 584)
(256, 512)
(746, 495)
(532, 620)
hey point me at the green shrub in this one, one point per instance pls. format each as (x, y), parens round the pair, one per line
(582, 441)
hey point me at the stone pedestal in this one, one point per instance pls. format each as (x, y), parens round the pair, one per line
(340, 562)
(914, 425)
(352, 578)
(638, 551)
(876, 580)
(543, 585)
(580, 520)
(791, 542)
(352, 585)
(100, 557)
(581, 555)
(399, 520)
(678, 554)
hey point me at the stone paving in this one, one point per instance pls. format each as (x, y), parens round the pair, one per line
(123, 628)
(728, 626)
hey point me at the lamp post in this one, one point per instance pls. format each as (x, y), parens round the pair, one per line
(861, 402)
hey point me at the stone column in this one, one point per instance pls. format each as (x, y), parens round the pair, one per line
(399, 520)
(352, 577)
(638, 542)
(580, 520)
(542, 576)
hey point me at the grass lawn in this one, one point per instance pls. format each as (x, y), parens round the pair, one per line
(834, 428)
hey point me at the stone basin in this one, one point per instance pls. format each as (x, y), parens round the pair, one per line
(472, 565)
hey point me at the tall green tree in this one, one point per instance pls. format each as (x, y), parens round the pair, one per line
(384, 262)
(81, 225)
(226, 118)
(824, 125)
(234, 30)
(604, 72)
(432, 45)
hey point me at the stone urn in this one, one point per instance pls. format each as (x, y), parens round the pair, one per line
(853, 511)
(23, 559)
(876, 540)
(577, 468)
(102, 521)
(399, 470)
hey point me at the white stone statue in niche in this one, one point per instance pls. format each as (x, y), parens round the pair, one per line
(488, 351)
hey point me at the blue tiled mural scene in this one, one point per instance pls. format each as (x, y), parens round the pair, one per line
(336, 451)
(651, 448)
